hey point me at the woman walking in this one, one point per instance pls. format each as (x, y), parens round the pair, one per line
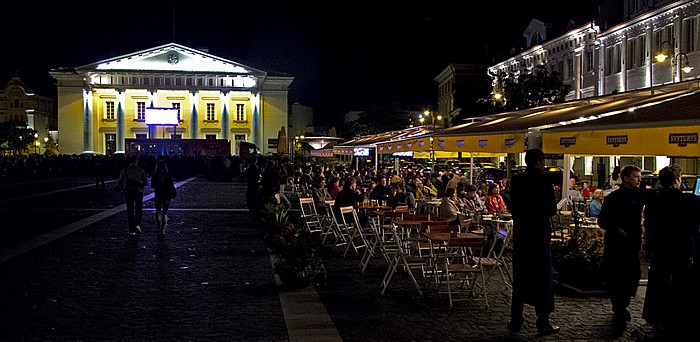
(164, 189)
(132, 179)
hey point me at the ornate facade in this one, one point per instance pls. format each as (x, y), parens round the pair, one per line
(597, 61)
(100, 105)
(18, 103)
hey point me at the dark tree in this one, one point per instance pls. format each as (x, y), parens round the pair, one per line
(534, 89)
(15, 136)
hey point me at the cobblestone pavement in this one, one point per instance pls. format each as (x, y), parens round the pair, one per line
(210, 279)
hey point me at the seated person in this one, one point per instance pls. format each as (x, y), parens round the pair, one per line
(494, 201)
(472, 201)
(350, 197)
(401, 197)
(381, 192)
(320, 194)
(450, 207)
(596, 202)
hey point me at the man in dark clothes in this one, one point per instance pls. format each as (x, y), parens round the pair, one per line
(532, 205)
(621, 218)
(671, 224)
(349, 197)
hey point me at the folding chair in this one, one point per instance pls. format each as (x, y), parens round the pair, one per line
(376, 244)
(354, 230)
(459, 270)
(312, 220)
(401, 259)
(495, 257)
(338, 228)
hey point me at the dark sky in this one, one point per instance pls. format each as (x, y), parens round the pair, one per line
(343, 55)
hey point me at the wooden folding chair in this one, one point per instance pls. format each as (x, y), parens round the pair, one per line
(355, 230)
(401, 259)
(459, 270)
(495, 256)
(339, 228)
(312, 220)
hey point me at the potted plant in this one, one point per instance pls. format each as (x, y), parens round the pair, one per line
(578, 262)
(297, 259)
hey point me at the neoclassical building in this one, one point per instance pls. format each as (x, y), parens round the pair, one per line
(103, 105)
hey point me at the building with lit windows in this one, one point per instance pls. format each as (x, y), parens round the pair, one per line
(105, 105)
(21, 104)
(596, 60)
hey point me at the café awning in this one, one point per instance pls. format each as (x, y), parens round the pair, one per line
(668, 126)
(374, 139)
(507, 132)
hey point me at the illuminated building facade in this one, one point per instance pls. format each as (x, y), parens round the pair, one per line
(100, 105)
(597, 61)
(18, 103)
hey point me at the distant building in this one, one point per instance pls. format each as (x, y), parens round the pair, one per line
(301, 120)
(458, 86)
(19, 103)
(104, 103)
(615, 52)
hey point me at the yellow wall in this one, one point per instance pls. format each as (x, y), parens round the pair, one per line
(70, 109)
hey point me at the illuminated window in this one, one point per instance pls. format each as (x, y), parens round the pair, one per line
(589, 61)
(141, 110)
(179, 110)
(240, 112)
(109, 110)
(211, 110)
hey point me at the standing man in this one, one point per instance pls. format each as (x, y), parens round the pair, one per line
(532, 205)
(132, 180)
(671, 227)
(621, 218)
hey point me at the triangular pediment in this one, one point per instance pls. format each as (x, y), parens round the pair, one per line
(172, 57)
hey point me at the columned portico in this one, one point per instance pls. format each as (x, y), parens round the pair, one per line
(120, 122)
(87, 122)
(194, 117)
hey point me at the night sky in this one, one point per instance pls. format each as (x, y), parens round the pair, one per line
(343, 55)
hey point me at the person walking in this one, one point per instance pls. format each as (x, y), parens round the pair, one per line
(132, 180)
(164, 189)
(621, 218)
(532, 205)
(671, 230)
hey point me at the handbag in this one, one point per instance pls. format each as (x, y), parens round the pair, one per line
(170, 187)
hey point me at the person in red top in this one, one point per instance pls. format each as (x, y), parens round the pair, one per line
(586, 191)
(494, 202)
(334, 186)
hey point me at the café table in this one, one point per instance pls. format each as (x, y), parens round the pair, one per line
(438, 242)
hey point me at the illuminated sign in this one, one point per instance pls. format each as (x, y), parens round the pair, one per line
(361, 151)
(162, 116)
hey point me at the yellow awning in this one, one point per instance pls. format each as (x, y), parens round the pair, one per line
(678, 141)
(416, 145)
(491, 143)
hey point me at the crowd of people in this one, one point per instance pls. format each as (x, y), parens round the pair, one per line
(268, 176)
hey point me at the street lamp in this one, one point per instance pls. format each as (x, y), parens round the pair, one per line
(36, 142)
(499, 98)
(433, 118)
(294, 147)
(680, 58)
(46, 142)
